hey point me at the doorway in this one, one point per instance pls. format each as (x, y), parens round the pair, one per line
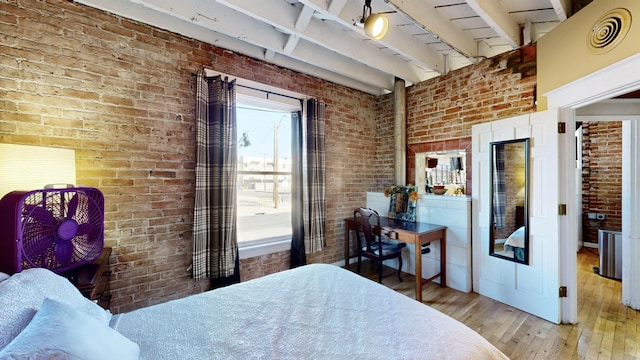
(599, 181)
(601, 85)
(599, 198)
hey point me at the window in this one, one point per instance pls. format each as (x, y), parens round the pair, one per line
(264, 172)
(264, 116)
(264, 127)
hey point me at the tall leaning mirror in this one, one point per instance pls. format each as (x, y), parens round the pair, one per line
(509, 228)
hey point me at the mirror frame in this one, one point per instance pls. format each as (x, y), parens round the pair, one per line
(525, 219)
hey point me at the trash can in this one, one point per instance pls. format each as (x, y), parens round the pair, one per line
(610, 248)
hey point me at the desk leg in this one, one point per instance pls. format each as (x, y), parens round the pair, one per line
(418, 252)
(346, 245)
(443, 259)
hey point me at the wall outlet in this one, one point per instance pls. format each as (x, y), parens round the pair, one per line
(600, 216)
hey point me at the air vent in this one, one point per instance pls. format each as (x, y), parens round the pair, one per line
(609, 31)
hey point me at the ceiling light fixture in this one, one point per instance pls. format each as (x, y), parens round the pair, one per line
(375, 25)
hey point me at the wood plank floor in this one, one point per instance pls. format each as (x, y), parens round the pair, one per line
(606, 329)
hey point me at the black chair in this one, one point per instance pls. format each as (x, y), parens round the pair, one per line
(371, 245)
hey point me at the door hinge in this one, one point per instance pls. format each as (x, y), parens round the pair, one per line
(562, 291)
(562, 128)
(562, 209)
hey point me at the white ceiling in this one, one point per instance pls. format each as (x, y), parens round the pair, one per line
(426, 38)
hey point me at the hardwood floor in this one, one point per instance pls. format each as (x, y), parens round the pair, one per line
(606, 329)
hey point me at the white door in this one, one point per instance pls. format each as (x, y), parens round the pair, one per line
(532, 288)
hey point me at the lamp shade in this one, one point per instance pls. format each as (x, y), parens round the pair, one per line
(26, 167)
(376, 26)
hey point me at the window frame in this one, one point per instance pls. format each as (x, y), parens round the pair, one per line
(276, 238)
(261, 95)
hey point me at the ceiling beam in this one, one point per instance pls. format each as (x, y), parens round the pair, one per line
(304, 17)
(325, 38)
(283, 17)
(336, 6)
(407, 46)
(268, 35)
(492, 12)
(291, 43)
(427, 18)
(163, 20)
(562, 8)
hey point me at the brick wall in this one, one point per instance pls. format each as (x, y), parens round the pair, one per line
(258, 266)
(121, 94)
(441, 111)
(601, 177)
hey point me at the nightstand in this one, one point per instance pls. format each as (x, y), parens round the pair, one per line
(93, 279)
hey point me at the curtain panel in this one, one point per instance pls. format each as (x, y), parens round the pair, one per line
(215, 246)
(309, 200)
(499, 196)
(298, 257)
(315, 198)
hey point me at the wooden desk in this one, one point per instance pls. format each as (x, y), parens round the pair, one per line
(415, 233)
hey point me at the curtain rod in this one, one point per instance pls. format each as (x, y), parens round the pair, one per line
(269, 92)
(257, 89)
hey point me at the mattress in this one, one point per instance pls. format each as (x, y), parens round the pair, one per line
(316, 311)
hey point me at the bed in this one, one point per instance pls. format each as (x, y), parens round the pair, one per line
(316, 311)
(515, 243)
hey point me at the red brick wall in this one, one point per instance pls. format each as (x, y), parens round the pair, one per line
(121, 94)
(258, 266)
(441, 111)
(601, 177)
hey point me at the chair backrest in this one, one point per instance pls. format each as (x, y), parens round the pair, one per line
(368, 218)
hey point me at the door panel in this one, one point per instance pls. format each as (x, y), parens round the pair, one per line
(532, 288)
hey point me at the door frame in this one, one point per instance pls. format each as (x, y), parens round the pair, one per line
(608, 82)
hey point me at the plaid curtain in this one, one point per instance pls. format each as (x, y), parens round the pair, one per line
(314, 196)
(298, 256)
(215, 246)
(499, 196)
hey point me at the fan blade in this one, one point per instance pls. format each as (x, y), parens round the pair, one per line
(40, 214)
(85, 229)
(73, 206)
(63, 251)
(36, 246)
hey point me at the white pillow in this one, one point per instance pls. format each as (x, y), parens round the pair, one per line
(58, 331)
(3, 276)
(22, 294)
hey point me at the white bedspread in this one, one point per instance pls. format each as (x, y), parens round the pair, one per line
(314, 312)
(516, 239)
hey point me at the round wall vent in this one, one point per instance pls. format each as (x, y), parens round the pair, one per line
(609, 31)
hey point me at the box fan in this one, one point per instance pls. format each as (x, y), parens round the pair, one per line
(57, 229)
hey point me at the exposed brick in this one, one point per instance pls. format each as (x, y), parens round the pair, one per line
(446, 107)
(601, 177)
(121, 94)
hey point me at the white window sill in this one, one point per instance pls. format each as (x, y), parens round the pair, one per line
(263, 247)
